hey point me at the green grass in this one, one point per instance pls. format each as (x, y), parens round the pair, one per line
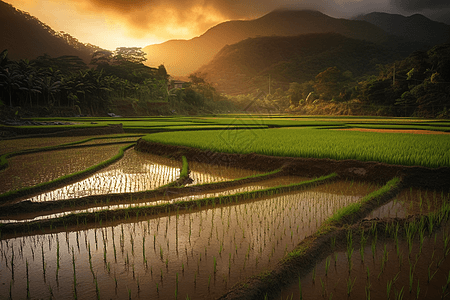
(355, 207)
(185, 168)
(392, 148)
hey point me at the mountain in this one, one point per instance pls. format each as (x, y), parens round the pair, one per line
(182, 57)
(26, 37)
(245, 66)
(416, 28)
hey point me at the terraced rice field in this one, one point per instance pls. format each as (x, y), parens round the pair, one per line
(178, 223)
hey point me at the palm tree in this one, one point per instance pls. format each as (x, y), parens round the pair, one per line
(10, 78)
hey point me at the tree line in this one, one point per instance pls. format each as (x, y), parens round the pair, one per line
(417, 86)
(68, 81)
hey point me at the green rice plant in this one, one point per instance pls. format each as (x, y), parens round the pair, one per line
(350, 285)
(349, 249)
(431, 150)
(418, 289)
(314, 275)
(324, 290)
(389, 287)
(411, 277)
(431, 274)
(184, 173)
(327, 265)
(362, 245)
(367, 290)
(143, 250)
(97, 290)
(399, 294)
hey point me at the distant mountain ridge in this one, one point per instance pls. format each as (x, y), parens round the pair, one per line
(182, 57)
(245, 67)
(417, 28)
(26, 37)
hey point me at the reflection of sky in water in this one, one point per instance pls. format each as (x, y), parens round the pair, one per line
(137, 172)
(151, 177)
(330, 199)
(244, 238)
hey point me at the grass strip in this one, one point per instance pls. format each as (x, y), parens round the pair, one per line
(64, 179)
(105, 215)
(185, 168)
(353, 208)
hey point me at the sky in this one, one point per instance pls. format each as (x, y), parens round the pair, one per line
(137, 23)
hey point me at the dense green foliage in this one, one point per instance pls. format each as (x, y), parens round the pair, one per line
(416, 86)
(392, 148)
(119, 83)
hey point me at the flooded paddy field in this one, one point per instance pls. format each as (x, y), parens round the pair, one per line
(196, 249)
(410, 202)
(35, 168)
(411, 263)
(137, 172)
(199, 253)
(14, 145)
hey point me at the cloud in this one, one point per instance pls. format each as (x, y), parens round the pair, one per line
(166, 18)
(420, 5)
(187, 18)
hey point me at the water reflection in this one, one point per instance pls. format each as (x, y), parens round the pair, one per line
(247, 188)
(200, 254)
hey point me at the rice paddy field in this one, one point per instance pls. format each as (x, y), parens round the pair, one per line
(226, 207)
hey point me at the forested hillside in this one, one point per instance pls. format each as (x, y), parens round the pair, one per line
(416, 86)
(25, 37)
(245, 67)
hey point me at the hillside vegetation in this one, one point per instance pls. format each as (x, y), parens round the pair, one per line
(245, 66)
(26, 37)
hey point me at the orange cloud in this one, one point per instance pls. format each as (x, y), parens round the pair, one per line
(161, 19)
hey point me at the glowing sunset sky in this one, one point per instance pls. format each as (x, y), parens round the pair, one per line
(113, 23)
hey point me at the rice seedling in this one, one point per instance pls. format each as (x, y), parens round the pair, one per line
(349, 249)
(350, 285)
(327, 265)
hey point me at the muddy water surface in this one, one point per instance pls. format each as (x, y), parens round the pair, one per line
(31, 169)
(216, 193)
(200, 254)
(382, 269)
(138, 171)
(409, 202)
